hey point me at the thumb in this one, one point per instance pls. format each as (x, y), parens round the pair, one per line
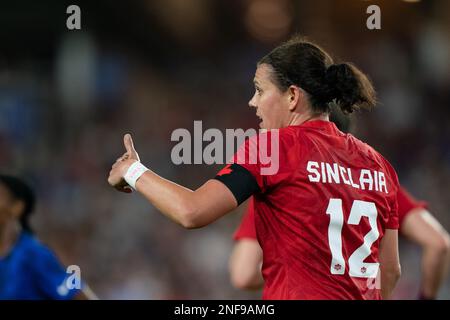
(128, 142)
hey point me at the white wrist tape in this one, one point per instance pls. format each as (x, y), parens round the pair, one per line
(134, 172)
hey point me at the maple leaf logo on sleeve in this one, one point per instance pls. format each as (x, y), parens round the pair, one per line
(226, 170)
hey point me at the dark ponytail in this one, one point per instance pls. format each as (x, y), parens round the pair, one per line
(349, 87)
(306, 65)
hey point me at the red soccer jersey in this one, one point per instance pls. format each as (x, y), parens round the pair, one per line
(406, 203)
(320, 218)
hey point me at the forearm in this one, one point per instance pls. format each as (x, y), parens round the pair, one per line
(245, 265)
(389, 279)
(389, 262)
(435, 265)
(254, 280)
(171, 199)
(423, 229)
(191, 209)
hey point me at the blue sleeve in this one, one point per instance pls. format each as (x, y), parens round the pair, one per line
(51, 276)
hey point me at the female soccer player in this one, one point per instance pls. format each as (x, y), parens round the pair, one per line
(417, 224)
(28, 269)
(327, 218)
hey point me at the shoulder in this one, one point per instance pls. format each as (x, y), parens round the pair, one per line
(382, 163)
(372, 157)
(29, 245)
(291, 134)
(370, 153)
(38, 254)
(363, 147)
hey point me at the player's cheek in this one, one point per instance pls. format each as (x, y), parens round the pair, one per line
(269, 107)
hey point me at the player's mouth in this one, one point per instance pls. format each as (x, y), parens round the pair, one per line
(261, 120)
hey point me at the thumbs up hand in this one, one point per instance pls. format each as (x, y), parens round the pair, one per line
(129, 147)
(120, 167)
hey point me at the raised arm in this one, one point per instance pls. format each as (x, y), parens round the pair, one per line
(189, 208)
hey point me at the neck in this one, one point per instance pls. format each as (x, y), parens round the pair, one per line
(298, 119)
(9, 232)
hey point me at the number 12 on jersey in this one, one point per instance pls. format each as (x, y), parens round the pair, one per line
(357, 266)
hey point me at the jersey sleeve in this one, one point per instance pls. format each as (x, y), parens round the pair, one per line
(247, 227)
(406, 203)
(247, 172)
(52, 278)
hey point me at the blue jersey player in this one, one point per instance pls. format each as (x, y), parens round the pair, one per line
(28, 269)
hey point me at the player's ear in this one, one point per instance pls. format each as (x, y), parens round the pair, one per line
(294, 95)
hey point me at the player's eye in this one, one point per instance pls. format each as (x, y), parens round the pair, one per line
(258, 90)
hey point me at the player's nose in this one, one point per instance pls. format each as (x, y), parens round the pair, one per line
(252, 103)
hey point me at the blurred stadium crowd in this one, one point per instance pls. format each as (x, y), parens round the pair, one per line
(150, 67)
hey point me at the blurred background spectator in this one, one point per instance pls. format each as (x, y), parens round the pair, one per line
(150, 67)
